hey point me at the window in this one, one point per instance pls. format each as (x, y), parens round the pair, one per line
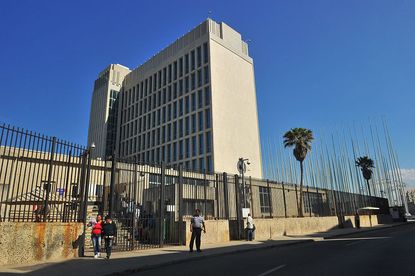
(187, 104)
(201, 144)
(186, 63)
(174, 130)
(164, 75)
(200, 114)
(199, 56)
(264, 199)
(209, 164)
(207, 96)
(174, 152)
(181, 107)
(207, 118)
(199, 78)
(193, 81)
(169, 74)
(208, 142)
(206, 71)
(194, 123)
(187, 148)
(194, 147)
(201, 164)
(175, 110)
(181, 128)
(193, 60)
(187, 125)
(205, 53)
(180, 67)
(193, 100)
(200, 98)
(186, 84)
(181, 150)
(175, 70)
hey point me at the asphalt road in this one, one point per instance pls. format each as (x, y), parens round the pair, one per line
(383, 252)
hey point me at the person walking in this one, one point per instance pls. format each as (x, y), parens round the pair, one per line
(197, 224)
(249, 227)
(109, 232)
(96, 235)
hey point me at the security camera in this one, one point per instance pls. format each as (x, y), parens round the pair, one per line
(248, 163)
(93, 145)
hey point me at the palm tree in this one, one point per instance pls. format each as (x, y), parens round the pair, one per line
(366, 165)
(300, 139)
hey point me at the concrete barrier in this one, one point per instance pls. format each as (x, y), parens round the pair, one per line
(217, 231)
(23, 243)
(365, 220)
(273, 228)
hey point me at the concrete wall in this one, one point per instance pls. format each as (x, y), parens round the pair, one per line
(37, 242)
(217, 231)
(273, 228)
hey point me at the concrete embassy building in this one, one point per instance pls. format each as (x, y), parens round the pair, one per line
(193, 104)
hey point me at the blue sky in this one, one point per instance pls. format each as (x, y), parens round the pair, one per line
(317, 63)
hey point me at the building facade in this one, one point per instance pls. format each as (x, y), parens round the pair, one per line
(193, 104)
(103, 118)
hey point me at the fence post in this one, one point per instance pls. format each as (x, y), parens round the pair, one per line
(85, 199)
(204, 194)
(225, 191)
(49, 184)
(309, 202)
(181, 232)
(296, 200)
(112, 182)
(216, 196)
(134, 197)
(269, 200)
(238, 206)
(252, 197)
(285, 202)
(162, 203)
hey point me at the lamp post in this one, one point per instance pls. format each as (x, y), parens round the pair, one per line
(87, 152)
(242, 162)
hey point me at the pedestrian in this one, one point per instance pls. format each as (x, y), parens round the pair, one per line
(96, 235)
(357, 219)
(109, 232)
(197, 224)
(249, 227)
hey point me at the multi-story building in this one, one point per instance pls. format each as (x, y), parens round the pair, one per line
(192, 104)
(103, 117)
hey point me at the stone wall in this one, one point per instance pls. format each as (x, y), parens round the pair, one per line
(38, 242)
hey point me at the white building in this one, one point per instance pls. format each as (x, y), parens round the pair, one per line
(193, 104)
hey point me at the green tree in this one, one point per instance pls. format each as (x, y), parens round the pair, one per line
(300, 139)
(366, 166)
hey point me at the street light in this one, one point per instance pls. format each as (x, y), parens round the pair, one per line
(242, 162)
(87, 153)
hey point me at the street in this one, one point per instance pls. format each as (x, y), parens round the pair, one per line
(382, 252)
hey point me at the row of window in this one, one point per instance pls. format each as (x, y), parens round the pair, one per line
(176, 151)
(184, 65)
(167, 112)
(196, 122)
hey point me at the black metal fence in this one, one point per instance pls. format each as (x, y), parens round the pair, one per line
(40, 177)
(46, 179)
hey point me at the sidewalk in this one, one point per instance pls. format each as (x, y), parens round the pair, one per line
(135, 261)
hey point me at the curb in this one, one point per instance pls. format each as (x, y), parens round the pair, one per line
(152, 266)
(366, 230)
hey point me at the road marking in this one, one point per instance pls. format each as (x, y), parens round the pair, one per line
(272, 270)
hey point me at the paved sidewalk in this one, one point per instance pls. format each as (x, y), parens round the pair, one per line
(134, 261)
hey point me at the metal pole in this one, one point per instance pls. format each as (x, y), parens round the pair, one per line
(238, 206)
(269, 199)
(204, 194)
(112, 183)
(296, 199)
(181, 232)
(85, 199)
(162, 204)
(49, 184)
(225, 191)
(283, 195)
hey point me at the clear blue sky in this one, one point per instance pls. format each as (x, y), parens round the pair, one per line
(317, 63)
